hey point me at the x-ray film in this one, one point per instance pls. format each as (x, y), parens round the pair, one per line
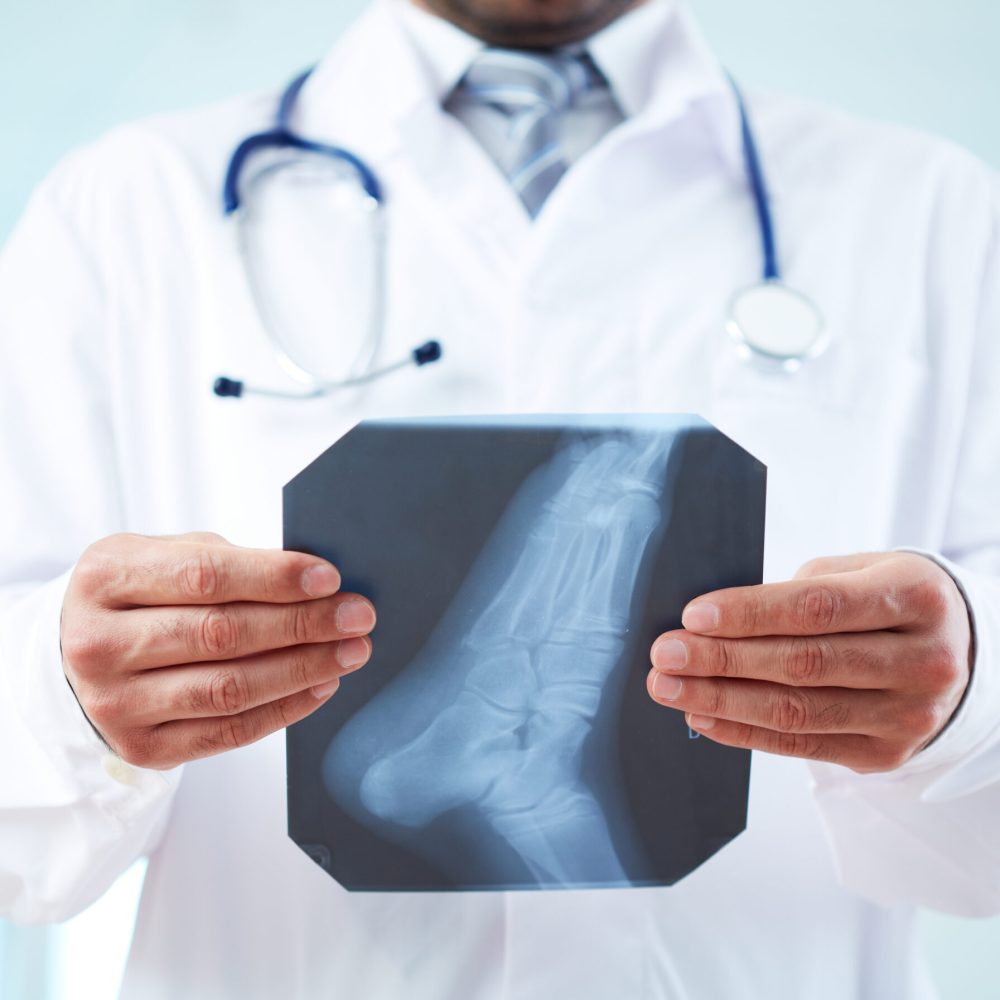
(501, 737)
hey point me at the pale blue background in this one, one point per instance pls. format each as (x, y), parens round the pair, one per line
(69, 70)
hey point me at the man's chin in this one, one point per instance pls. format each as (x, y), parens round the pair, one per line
(529, 23)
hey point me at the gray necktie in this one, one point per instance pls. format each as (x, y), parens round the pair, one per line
(532, 90)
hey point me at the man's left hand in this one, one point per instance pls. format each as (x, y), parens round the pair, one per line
(859, 660)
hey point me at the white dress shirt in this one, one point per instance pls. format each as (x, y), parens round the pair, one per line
(121, 299)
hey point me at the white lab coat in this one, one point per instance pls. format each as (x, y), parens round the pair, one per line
(121, 298)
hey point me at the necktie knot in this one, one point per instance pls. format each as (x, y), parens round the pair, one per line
(516, 82)
(530, 91)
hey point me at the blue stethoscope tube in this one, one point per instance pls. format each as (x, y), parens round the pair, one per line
(771, 297)
(758, 186)
(282, 137)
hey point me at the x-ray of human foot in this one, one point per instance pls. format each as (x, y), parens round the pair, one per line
(514, 674)
(501, 736)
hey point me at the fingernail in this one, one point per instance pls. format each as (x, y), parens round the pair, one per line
(355, 616)
(667, 688)
(322, 691)
(670, 654)
(352, 653)
(321, 581)
(701, 722)
(700, 617)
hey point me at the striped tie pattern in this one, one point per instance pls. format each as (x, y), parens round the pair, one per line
(531, 89)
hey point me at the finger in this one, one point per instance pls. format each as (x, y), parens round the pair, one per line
(164, 637)
(138, 571)
(825, 565)
(872, 660)
(879, 597)
(776, 706)
(173, 743)
(860, 753)
(195, 691)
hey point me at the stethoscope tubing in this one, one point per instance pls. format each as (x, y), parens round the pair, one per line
(281, 136)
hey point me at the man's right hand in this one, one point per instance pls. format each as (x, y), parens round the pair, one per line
(185, 646)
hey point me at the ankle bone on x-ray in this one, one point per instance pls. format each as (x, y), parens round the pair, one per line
(536, 657)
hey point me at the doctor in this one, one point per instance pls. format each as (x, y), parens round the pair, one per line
(590, 276)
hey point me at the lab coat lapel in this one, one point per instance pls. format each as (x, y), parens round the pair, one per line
(372, 95)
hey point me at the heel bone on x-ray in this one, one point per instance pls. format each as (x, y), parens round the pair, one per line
(501, 736)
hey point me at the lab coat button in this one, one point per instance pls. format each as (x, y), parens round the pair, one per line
(116, 768)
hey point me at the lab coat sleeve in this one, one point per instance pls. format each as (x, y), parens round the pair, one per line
(68, 826)
(929, 832)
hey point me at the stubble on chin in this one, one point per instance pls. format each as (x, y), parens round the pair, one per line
(528, 24)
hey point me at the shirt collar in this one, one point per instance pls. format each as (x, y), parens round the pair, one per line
(445, 50)
(653, 53)
(660, 68)
(654, 57)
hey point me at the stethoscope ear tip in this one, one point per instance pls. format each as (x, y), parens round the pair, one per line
(227, 387)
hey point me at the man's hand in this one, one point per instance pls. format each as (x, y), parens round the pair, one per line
(859, 660)
(185, 646)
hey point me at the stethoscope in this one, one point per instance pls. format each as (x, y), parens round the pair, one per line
(773, 326)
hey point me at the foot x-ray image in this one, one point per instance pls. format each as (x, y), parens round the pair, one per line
(501, 736)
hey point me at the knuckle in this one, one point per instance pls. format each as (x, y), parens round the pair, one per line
(217, 633)
(79, 649)
(716, 700)
(792, 713)
(726, 659)
(199, 577)
(809, 661)
(284, 712)
(752, 612)
(106, 708)
(942, 667)
(138, 747)
(818, 608)
(301, 622)
(226, 692)
(104, 566)
(229, 734)
(929, 596)
(921, 720)
(89, 650)
(743, 735)
(889, 604)
(235, 733)
(305, 664)
(93, 569)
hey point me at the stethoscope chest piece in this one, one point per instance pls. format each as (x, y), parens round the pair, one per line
(776, 327)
